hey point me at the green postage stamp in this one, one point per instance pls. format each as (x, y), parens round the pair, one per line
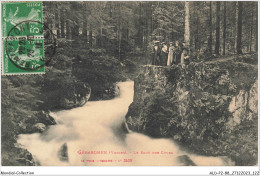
(23, 38)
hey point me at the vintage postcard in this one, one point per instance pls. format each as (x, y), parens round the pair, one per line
(130, 83)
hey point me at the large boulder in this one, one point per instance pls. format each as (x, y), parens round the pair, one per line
(203, 105)
(79, 97)
(63, 153)
(45, 118)
(37, 122)
(16, 155)
(25, 158)
(107, 92)
(22, 156)
(39, 127)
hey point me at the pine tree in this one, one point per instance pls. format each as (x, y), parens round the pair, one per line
(239, 28)
(210, 27)
(57, 25)
(62, 19)
(224, 27)
(68, 32)
(187, 23)
(85, 24)
(256, 30)
(217, 28)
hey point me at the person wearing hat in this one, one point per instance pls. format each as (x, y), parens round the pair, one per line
(177, 52)
(170, 54)
(164, 54)
(185, 54)
(156, 53)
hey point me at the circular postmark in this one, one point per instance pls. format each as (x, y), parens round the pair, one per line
(30, 45)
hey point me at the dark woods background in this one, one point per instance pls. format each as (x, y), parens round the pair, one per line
(100, 43)
(120, 27)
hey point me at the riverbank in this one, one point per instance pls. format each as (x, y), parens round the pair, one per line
(72, 78)
(89, 136)
(209, 108)
(90, 127)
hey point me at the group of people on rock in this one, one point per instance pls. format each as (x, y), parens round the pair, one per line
(173, 54)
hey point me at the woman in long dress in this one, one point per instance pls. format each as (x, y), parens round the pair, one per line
(170, 55)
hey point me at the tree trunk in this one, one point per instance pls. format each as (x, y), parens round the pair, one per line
(251, 29)
(57, 25)
(217, 28)
(197, 28)
(151, 21)
(68, 32)
(127, 33)
(85, 26)
(224, 28)
(235, 27)
(90, 37)
(172, 35)
(140, 30)
(76, 29)
(119, 33)
(62, 18)
(50, 20)
(101, 36)
(110, 9)
(239, 28)
(146, 23)
(256, 30)
(187, 23)
(210, 27)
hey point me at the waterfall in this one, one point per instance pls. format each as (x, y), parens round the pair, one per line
(93, 135)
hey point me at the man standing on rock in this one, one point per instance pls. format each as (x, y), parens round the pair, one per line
(184, 55)
(177, 53)
(156, 53)
(164, 54)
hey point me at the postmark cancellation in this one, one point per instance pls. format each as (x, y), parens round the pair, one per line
(23, 38)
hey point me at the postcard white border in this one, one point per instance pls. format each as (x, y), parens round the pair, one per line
(130, 170)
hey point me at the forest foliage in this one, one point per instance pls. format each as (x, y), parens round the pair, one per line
(98, 41)
(215, 27)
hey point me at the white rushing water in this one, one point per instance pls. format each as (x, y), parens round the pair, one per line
(97, 126)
